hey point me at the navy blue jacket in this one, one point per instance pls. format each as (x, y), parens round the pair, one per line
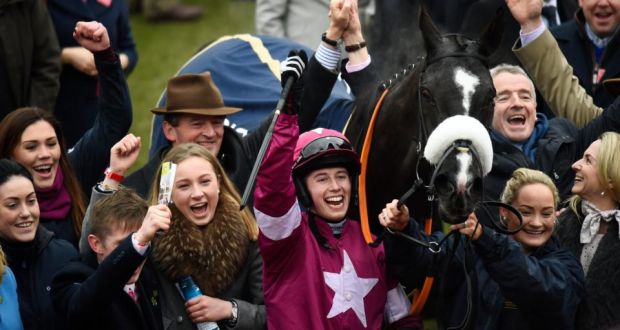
(512, 290)
(77, 104)
(91, 296)
(34, 265)
(579, 53)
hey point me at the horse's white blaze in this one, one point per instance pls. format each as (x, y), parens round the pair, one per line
(462, 176)
(467, 83)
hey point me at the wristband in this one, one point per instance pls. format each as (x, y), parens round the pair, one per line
(232, 322)
(113, 176)
(328, 41)
(355, 47)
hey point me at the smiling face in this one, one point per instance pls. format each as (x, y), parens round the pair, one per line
(196, 190)
(39, 152)
(603, 16)
(514, 116)
(587, 183)
(536, 204)
(330, 190)
(207, 131)
(19, 210)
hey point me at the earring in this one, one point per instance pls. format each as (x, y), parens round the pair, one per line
(218, 191)
(603, 193)
(503, 219)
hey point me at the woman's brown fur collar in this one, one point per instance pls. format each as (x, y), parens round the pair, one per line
(212, 255)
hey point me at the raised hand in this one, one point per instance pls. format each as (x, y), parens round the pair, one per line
(157, 218)
(339, 15)
(124, 153)
(527, 13)
(92, 36)
(205, 309)
(81, 59)
(294, 66)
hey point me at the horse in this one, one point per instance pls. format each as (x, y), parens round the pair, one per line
(452, 81)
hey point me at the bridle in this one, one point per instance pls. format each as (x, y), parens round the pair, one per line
(459, 145)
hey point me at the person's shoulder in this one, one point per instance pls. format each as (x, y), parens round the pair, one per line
(561, 126)
(62, 248)
(567, 31)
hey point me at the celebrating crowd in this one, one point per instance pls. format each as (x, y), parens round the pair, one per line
(87, 245)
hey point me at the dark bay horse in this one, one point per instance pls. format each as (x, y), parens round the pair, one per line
(453, 79)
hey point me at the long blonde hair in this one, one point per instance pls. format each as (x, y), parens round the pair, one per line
(607, 167)
(228, 191)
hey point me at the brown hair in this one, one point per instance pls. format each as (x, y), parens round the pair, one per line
(123, 210)
(11, 129)
(228, 190)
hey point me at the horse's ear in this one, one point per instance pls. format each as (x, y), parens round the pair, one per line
(432, 36)
(492, 35)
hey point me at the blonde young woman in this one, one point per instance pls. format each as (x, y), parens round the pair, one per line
(589, 229)
(212, 241)
(523, 281)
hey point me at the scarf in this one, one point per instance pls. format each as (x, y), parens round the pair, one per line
(212, 255)
(54, 202)
(530, 146)
(592, 221)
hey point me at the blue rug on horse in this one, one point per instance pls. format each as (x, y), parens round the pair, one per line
(246, 69)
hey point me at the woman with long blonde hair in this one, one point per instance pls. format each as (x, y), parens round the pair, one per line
(589, 229)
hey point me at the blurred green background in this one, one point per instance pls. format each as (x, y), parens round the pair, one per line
(164, 47)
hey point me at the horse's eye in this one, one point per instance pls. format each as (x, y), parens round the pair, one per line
(427, 94)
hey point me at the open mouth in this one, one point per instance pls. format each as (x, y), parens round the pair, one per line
(516, 120)
(43, 169)
(200, 209)
(335, 201)
(25, 224)
(533, 232)
(578, 178)
(602, 15)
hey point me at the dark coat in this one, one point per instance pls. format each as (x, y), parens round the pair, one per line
(246, 289)
(91, 154)
(480, 13)
(92, 296)
(600, 308)
(29, 56)
(558, 149)
(543, 288)
(78, 99)
(579, 53)
(238, 153)
(34, 265)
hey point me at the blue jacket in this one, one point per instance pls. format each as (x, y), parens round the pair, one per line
(9, 307)
(512, 290)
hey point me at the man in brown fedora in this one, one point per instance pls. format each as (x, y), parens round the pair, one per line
(195, 112)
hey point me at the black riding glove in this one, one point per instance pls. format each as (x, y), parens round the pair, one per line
(293, 67)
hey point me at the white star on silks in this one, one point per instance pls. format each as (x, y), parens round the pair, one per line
(350, 290)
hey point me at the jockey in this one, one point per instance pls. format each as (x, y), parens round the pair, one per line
(318, 271)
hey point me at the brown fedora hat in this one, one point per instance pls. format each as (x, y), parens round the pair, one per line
(612, 86)
(194, 94)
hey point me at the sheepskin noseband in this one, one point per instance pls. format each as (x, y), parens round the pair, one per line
(460, 127)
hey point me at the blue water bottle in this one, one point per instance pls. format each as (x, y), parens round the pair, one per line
(191, 290)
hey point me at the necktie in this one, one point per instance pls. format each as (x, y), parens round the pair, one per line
(549, 12)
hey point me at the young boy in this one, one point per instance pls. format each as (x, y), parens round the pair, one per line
(115, 293)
